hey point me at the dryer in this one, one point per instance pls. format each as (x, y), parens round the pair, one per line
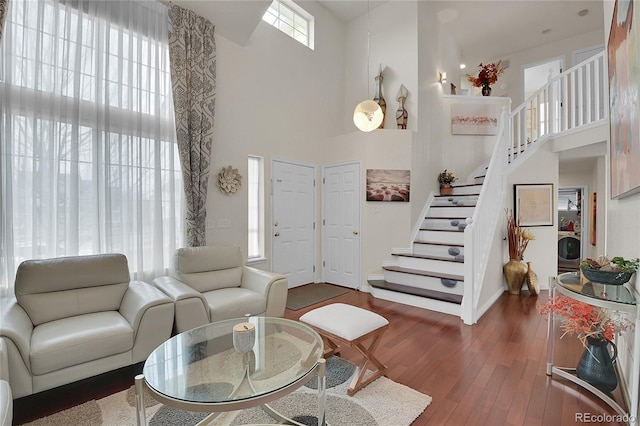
(568, 251)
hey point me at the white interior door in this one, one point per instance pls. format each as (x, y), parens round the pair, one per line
(341, 224)
(292, 235)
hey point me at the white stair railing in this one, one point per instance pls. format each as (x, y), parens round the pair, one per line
(570, 100)
(479, 233)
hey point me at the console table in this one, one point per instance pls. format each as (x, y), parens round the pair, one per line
(612, 297)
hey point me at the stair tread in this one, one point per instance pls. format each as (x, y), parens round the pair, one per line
(423, 273)
(445, 217)
(465, 185)
(452, 205)
(438, 243)
(442, 230)
(415, 291)
(456, 195)
(429, 257)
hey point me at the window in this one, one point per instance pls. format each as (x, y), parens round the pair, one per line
(88, 160)
(255, 185)
(292, 20)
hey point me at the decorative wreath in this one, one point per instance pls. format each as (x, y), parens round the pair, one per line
(229, 180)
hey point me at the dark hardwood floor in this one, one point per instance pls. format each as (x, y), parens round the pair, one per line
(492, 373)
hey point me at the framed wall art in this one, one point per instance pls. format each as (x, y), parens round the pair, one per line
(624, 88)
(474, 119)
(388, 185)
(533, 204)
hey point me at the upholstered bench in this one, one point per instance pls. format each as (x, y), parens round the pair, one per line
(339, 323)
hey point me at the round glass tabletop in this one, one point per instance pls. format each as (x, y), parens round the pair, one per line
(209, 365)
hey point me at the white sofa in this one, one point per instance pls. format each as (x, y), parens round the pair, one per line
(211, 283)
(77, 317)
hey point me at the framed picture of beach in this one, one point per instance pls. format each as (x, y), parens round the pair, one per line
(474, 119)
(388, 185)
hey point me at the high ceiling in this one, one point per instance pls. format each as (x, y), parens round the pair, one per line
(500, 27)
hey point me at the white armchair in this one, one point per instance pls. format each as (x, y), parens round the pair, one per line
(77, 317)
(6, 400)
(211, 284)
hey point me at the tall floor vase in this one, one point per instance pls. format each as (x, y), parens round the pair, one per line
(515, 272)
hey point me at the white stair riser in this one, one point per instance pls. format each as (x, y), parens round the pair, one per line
(450, 212)
(442, 224)
(417, 301)
(420, 281)
(464, 190)
(431, 265)
(469, 200)
(434, 250)
(442, 237)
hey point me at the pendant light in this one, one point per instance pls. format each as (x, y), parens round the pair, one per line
(368, 115)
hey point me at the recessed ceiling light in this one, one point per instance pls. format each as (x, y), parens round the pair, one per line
(583, 12)
(547, 31)
(462, 66)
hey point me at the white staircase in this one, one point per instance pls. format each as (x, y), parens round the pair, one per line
(434, 268)
(445, 267)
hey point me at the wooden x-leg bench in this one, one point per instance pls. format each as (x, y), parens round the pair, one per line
(348, 325)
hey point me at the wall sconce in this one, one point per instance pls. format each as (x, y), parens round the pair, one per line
(442, 77)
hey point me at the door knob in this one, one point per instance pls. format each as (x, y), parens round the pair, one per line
(355, 232)
(277, 234)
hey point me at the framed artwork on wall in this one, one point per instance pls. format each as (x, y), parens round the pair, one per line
(474, 119)
(388, 185)
(624, 88)
(533, 204)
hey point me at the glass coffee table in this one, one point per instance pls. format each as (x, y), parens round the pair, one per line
(207, 370)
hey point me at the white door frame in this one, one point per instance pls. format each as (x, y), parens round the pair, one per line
(323, 235)
(584, 217)
(272, 209)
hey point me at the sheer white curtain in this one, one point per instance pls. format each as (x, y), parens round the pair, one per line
(88, 159)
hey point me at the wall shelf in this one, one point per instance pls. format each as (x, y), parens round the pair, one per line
(616, 298)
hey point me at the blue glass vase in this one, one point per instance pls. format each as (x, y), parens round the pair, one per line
(596, 366)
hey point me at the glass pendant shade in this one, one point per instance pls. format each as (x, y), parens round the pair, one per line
(367, 116)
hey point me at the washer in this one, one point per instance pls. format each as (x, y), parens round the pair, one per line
(568, 251)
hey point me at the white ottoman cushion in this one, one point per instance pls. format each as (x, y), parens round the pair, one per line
(345, 321)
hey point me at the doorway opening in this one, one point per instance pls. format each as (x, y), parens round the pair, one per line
(572, 228)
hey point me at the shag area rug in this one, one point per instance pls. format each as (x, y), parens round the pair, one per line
(310, 294)
(383, 403)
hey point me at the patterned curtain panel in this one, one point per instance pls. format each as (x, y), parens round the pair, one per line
(192, 51)
(3, 14)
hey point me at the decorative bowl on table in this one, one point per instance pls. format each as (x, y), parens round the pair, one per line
(606, 277)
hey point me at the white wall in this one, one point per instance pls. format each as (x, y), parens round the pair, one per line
(462, 154)
(275, 98)
(384, 225)
(394, 45)
(543, 251)
(511, 82)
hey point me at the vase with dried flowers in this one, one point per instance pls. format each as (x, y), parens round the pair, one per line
(487, 76)
(515, 272)
(595, 328)
(445, 179)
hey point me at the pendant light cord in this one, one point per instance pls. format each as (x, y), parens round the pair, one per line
(368, 48)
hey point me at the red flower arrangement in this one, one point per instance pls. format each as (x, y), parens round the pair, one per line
(584, 320)
(488, 74)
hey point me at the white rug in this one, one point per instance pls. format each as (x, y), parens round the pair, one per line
(383, 403)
